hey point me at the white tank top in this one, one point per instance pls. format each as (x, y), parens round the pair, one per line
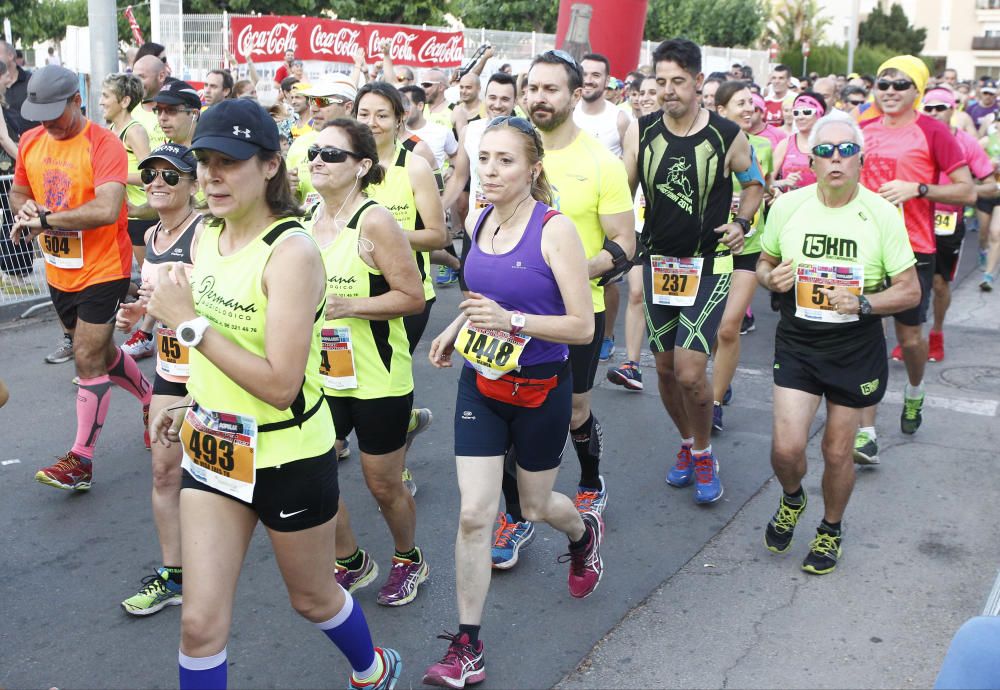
(603, 126)
(473, 135)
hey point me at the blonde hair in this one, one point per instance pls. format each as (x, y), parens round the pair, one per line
(533, 149)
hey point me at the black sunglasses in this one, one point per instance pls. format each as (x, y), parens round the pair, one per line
(330, 154)
(896, 84)
(514, 121)
(936, 108)
(856, 102)
(845, 149)
(171, 177)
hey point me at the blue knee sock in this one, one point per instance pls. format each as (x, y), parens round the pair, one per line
(202, 673)
(349, 631)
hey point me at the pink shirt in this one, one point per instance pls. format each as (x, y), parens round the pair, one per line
(976, 158)
(921, 151)
(796, 161)
(773, 134)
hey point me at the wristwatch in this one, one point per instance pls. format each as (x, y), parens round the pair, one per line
(517, 322)
(864, 306)
(190, 333)
(743, 223)
(922, 190)
(43, 220)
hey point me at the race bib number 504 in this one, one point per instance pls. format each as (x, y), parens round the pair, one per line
(62, 248)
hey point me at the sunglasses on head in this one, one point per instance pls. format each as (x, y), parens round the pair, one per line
(936, 108)
(171, 177)
(518, 123)
(896, 84)
(329, 154)
(846, 149)
(325, 101)
(803, 112)
(564, 56)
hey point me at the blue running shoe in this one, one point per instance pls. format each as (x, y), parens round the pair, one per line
(392, 666)
(508, 539)
(628, 374)
(707, 487)
(728, 397)
(607, 348)
(717, 417)
(446, 276)
(683, 469)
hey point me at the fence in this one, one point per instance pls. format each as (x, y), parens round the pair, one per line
(22, 269)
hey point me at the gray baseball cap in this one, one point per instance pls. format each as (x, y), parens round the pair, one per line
(48, 90)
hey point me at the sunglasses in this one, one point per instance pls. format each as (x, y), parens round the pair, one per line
(171, 177)
(329, 154)
(170, 111)
(426, 84)
(564, 56)
(518, 123)
(937, 108)
(323, 102)
(896, 84)
(845, 149)
(856, 102)
(803, 112)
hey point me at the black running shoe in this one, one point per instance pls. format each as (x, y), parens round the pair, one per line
(824, 551)
(781, 527)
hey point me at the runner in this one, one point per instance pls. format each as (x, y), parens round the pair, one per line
(470, 106)
(629, 374)
(169, 177)
(734, 102)
(791, 156)
(949, 220)
(153, 73)
(708, 89)
(829, 249)
(686, 246)
(987, 215)
(441, 140)
(528, 298)
(906, 154)
(759, 127)
(437, 110)
(781, 77)
(257, 444)
(372, 282)
(69, 187)
(218, 86)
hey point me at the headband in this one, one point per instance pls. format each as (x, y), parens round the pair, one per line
(810, 101)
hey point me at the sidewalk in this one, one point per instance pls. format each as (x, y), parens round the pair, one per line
(920, 555)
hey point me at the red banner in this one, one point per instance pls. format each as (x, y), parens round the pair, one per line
(134, 25)
(265, 39)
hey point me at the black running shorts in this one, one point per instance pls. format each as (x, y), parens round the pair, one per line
(379, 424)
(693, 327)
(917, 315)
(856, 378)
(162, 386)
(583, 359)
(96, 303)
(949, 252)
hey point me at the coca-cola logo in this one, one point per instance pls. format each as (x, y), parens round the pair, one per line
(343, 42)
(400, 45)
(273, 41)
(440, 52)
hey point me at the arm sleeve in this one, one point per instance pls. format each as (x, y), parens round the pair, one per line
(614, 194)
(110, 160)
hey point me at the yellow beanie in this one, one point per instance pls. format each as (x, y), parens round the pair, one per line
(914, 68)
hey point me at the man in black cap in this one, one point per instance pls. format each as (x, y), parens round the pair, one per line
(985, 109)
(176, 107)
(69, 188)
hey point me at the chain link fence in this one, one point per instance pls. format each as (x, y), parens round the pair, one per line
(22, 269)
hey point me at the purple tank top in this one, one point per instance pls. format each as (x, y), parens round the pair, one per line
(519, 280)
(796, 161)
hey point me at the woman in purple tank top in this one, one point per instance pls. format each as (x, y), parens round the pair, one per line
(527, 299)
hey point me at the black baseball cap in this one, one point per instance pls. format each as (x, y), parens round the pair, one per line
(178, 155)
(238, 128)
(177, 93)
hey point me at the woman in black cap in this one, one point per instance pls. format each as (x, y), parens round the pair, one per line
(257, 443)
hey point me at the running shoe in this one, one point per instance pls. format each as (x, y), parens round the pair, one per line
(589, 500)
(865, 449)
(935, 349)
(446, 276)
(707, 486)
(983, 258)
(607, 348)
(717, 417)
(728, 396)
(140, 345)
(897, 354)
(420, 419)
(628, 374)
(63, 353)
(824, 551)
(409, 482)
(404, 580)
(912, 415)
(157, 592)
(586, 566)
(781, 526)
(747, 324)
(681, 473)
(345, 449)
(392, 666)
(69, 472)
(361, 577)
(508, 539)
(463, 663)
(145, 427)
(986, 285)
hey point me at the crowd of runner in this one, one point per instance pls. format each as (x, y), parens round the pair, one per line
(272, 242)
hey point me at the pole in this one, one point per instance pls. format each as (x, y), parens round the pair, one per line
(852, 36)
(103, 21)
(805, 65)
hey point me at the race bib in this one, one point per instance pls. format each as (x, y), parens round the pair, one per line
(171, 356)
(734, 207)
(62, 248)
(336, 363)
(312, 198)
(945, 223)
(492, 353)
(481, 201)
(219, 450)
(675, 281)
(812, 304)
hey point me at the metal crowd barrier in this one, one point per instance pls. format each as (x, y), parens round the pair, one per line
(22, 269)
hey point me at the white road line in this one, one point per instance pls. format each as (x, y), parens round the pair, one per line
(985, 408)
(15, 461)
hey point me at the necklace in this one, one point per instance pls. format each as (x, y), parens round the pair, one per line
(167, 232)
(497, 231)
(695, 120)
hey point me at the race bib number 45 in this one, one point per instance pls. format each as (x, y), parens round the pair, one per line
(811, 301)
(62, 248)
(219, 450)
(171, 356)
(492, 353)
(675, 280)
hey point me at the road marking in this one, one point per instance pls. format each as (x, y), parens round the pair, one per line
(15, 461)
(985, 408)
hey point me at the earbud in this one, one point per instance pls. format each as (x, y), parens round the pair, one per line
(360, 174)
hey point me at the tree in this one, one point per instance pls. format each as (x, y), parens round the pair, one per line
(796, 21)
(42, 20)
(892, 30)
(723, 23)
(509, 15)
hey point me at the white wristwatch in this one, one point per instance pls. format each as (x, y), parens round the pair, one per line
(190, 333)
(517, 322)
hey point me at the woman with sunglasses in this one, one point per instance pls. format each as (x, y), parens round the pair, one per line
(168, 174)
(257, 443)
(734, 102)
(791, 157)
(528, 298)
(367, 370)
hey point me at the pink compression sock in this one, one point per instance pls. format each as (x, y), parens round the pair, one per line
(124, 372)
(92, 399)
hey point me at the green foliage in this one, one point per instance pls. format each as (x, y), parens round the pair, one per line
(892, 30)
(796, 21)
(508, 15)
(723, 23)
(280, 7)
(829, 59)
(42, 20)
(389, 11)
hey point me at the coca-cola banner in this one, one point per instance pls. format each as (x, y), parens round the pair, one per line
(265, 39)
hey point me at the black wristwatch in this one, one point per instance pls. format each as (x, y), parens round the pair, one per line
(864, 306)
(743, 223)
(922, 190)
(43, 219)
